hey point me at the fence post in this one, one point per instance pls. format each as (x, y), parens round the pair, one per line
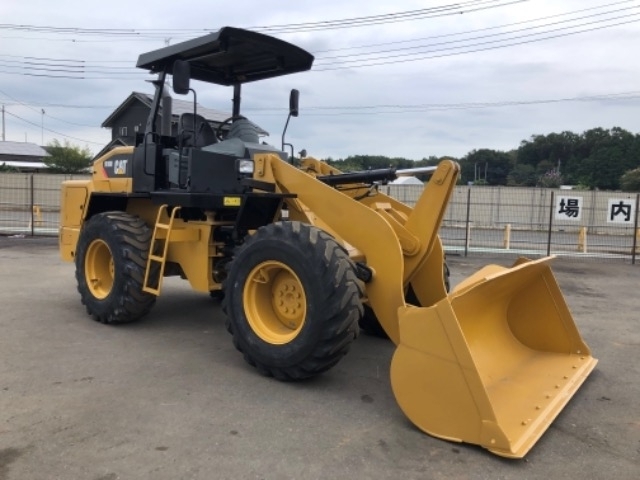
(498, 206)
(551, 208)
(32, 197)
(592, 212)
(635, 233)
(466, 230)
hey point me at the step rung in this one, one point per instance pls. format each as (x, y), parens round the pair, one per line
(161, 243)
(154, 291)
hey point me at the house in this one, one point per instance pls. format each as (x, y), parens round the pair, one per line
(130, 118)
(23, 156)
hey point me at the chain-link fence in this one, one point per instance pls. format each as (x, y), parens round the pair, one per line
(507, 220)
(30, 203)
(537, 221)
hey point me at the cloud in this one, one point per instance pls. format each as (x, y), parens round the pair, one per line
(333, 121)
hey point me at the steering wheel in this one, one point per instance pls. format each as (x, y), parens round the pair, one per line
(218, 131)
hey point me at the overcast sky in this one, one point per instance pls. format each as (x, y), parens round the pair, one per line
(412, 79)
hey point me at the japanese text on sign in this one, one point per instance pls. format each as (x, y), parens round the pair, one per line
(621, 210)
(568, 208)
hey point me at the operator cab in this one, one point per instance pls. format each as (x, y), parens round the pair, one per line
(200, 161)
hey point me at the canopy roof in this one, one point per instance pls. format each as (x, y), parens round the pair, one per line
(230, 56)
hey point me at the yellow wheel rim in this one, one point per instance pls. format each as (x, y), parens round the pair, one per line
(274, 302)
(98, 269)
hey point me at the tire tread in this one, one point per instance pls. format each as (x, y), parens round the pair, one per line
(128, 302)
(341, 300)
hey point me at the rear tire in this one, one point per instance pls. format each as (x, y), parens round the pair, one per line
(111, 259)
(292, 301)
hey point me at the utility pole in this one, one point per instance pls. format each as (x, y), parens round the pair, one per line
(42, 128)
(3, 123)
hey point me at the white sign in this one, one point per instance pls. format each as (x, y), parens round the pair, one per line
(568, 207)
(621, 210)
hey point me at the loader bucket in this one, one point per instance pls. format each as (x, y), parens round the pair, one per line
(494, 362)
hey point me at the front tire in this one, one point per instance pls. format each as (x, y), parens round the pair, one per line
(292, 301)
(111, 259)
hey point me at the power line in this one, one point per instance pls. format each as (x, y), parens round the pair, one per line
(458, 8)
(71, 123)
(411, 108)
(109, 40)
(59, 105)
(74, 70)
(548, 17)
(40, 111)
(68, 77)
(82, 69)
(634, 94)
(381, 109)
(627, 9)
(389, 60)
(18, 101)
(48, 67)
(435, 12)
(49, 59)
(51, 131)
(78, 65)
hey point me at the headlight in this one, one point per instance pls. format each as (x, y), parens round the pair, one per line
(245, 166)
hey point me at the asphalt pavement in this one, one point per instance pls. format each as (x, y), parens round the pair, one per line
(170, 398)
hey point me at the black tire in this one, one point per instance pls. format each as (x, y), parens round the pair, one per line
(370, 324)
(111, 259)
(292, 301)
(216, 295)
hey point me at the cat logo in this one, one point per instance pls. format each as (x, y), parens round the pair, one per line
(120, 167)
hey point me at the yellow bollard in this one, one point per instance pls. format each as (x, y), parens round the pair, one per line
(507, 237)
(582, 240)
(36, 216)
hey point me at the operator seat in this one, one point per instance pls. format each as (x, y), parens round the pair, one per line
(245, 130)
(195, 131)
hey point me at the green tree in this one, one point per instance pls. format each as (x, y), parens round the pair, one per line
(544, 166)
(522, 175)
(555, 148)
(630, 181)
(67, 158)
(602, 157)
(430, 161)
(370, 162)
(492, 166)
(596, 158)
(550, 179)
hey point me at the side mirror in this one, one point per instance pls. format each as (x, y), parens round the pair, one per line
(293, 102)
(181, 77)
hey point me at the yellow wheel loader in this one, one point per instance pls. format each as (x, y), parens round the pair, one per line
(300, 249)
